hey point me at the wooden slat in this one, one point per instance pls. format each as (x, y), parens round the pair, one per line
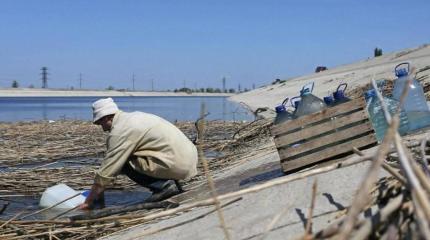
(318, 116)
(326, 140)
(328, 152)
(320, 128)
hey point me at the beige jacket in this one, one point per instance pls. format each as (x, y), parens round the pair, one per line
(154, 147)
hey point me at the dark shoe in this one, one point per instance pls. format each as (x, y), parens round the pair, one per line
(179, 186)
(166, 190)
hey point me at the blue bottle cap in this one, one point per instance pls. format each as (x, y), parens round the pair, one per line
(370, 94)
(85, 193)
(328, 100)
(280, 108)
(305, 91)
(401, 72)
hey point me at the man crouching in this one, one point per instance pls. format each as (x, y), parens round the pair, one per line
(148, 149)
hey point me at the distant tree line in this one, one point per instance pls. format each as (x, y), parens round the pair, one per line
(15, 84)
(190, 90)
(204, 90)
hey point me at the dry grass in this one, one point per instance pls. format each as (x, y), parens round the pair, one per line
(228, 139)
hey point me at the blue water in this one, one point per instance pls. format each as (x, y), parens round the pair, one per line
(14, 109)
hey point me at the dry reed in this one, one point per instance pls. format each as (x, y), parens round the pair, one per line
(78, 171)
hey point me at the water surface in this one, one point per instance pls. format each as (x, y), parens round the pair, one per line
(171, 108)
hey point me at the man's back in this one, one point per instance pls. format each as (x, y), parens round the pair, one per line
(160, 148)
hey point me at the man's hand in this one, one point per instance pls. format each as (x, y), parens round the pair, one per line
(96, 193)
(84, 206)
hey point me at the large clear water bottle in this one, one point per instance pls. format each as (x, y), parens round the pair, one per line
(377, 116)
(415, 104)
(309, 103)
(282, 114)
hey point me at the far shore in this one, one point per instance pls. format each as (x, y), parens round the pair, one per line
(36, 92)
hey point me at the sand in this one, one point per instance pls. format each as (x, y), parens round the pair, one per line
(249, 217)
(354, 75)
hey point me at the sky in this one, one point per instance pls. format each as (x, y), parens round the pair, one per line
(170, 44)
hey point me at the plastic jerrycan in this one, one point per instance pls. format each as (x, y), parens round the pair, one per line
(339, 94)
(282, 114)
(309, 103)
(415, 104)
(329, 100)
(58, 193)
(377, 117)
(337, 97)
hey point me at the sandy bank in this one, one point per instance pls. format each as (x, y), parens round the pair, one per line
(356, 74)
(33, 92)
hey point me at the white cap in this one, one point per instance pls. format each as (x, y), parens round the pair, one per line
(103, 107)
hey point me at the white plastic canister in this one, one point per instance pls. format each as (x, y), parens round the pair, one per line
(58, 193)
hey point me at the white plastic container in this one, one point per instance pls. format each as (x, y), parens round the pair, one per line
(415, 104)
(58, 193)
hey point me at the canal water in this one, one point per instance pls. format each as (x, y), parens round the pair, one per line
(14, 109)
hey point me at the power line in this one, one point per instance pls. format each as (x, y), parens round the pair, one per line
(133, 82)
(223, 84)
(44, 77)
(7, 79)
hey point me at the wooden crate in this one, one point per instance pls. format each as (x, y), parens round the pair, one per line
(322, 136)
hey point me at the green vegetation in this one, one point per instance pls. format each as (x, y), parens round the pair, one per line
(184, 89)
(15, 84)
(202, 90)
(377, 52)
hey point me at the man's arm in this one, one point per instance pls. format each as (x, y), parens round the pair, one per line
(96, 193)
(119, 149)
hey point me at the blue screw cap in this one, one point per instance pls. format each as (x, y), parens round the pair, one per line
(370, 94)
(280, 108)
(401, 72)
